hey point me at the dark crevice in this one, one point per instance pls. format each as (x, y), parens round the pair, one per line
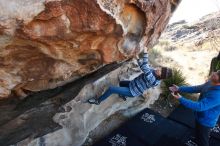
(153, 9)
(173, 8)
(37, 110)
(174, 4)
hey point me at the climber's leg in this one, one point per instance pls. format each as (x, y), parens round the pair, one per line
(124, 83)
(124, 91)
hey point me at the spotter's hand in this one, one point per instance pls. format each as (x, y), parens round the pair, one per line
(174, 88)
(177, 96)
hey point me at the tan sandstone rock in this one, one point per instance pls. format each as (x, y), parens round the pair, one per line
(46, 43)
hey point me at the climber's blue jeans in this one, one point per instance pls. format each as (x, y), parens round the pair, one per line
(123, 90)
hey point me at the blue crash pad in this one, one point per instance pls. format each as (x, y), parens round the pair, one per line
(150, 127)
(186, 117)
(120, 137)
(146, 128)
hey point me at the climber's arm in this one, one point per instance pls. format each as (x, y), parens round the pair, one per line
(144, 64)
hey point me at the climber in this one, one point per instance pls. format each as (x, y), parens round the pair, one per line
(215, 64)
(207, 108)
(149, 78)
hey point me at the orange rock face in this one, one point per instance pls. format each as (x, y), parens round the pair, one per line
(71, 38)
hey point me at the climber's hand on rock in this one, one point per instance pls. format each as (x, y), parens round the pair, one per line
(137, 56)
(176, 95)
(145, 50)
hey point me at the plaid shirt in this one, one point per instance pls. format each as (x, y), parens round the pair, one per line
(145, 80)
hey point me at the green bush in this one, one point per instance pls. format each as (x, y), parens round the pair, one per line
(177, 79)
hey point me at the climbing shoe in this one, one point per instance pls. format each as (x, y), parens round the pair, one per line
(93, 101)
(123, 97)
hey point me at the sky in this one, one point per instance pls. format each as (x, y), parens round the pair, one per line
(191, 10)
